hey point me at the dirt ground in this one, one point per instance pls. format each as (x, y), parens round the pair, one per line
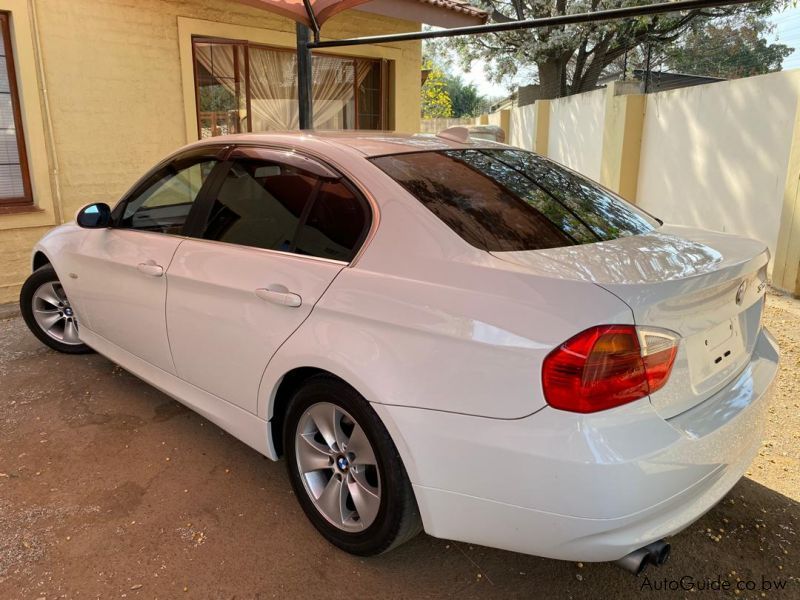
(110, 489)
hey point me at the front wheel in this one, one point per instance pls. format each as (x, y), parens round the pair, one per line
(346, 471)
(48, 313)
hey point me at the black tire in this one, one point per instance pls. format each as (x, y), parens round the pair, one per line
(397, 519)
(41, 276)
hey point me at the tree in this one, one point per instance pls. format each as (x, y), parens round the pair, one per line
(216, 98)
(570, 59)
(435, 100)
(466, 100)
(730, 49)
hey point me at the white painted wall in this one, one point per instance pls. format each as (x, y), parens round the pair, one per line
(522, 125)
(715, 156)
(576, 131)
(495, 119)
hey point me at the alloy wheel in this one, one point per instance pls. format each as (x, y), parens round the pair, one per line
(337, 466)
(54, 315)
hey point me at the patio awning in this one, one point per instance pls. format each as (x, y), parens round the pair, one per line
(442, 13)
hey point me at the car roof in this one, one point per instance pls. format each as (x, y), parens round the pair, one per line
(368, 143)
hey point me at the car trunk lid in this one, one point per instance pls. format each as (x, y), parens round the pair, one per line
(707, 287)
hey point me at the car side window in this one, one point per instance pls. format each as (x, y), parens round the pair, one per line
(336, 224)
(164, 203)
(260, 204)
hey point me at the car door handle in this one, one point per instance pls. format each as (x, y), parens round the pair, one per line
(151, 268)
(279, 295)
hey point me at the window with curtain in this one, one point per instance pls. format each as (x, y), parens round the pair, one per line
(244, 87)
(15, 185)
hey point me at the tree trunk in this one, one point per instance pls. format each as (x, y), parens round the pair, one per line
(585, 80)
(551, 78)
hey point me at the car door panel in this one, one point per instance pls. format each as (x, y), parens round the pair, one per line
(124, 302)
(240, 291)
(117, 275)
(229, 308)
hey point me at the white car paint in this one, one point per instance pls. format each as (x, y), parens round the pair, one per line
(215, 307)
(118, 300)
(446, 342)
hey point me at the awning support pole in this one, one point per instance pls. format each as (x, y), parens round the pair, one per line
(598, 16)
(304, 78)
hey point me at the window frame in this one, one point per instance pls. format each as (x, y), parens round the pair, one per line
(204, 202)
(27, 198)
(216, 152)
(246, 45)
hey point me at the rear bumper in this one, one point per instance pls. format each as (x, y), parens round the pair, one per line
(582, 487)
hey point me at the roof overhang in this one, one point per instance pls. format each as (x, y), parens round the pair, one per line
(430, 12)
(441, 13)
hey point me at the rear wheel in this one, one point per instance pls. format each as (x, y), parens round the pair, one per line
(48, 313)
(346, 470)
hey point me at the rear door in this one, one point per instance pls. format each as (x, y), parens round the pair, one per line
(273, 237)
(117, 275)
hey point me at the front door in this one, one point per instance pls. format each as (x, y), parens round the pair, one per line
(274, 240)
(118, 274)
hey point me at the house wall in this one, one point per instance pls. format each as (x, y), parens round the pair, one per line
(117, 78)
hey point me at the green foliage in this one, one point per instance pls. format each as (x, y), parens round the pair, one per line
(436, 101)
(466, 100)
(216, 98)
(728, 50)
(570, 59)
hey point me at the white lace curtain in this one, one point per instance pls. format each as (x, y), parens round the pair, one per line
(273, 85)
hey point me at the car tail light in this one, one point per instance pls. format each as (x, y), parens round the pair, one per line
(607, 366)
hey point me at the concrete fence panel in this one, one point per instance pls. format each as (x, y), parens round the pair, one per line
(716, 156)
(576, 131)
(438, 124)
(522, 126)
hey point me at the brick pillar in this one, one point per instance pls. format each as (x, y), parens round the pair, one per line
(541, 131)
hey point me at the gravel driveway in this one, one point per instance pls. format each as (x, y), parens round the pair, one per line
(110, 489)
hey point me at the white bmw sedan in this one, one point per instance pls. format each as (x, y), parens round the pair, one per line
(455, 336)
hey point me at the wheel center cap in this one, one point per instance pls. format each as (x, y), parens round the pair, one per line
(343, 463)
(68, 312)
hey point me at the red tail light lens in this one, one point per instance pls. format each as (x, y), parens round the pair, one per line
(607, 366)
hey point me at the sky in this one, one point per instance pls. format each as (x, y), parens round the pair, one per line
(478, 77)
(787, 31)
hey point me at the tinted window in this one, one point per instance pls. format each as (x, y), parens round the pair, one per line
(164, 203)
(505, 200)
(260, 205)
(335, 225)
(608, 215)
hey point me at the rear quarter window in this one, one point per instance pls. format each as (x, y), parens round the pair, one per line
(512, 200)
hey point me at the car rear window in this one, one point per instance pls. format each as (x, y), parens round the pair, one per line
(509, 200)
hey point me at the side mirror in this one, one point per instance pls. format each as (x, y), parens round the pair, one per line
(94, 216)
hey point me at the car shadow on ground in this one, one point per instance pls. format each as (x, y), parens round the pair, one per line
(109, 487)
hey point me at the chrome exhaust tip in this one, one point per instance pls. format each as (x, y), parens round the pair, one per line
(658, 552)
(635, 562)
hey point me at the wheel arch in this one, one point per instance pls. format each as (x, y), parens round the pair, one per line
(294, 378)
(291, 382)
(39, 260)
